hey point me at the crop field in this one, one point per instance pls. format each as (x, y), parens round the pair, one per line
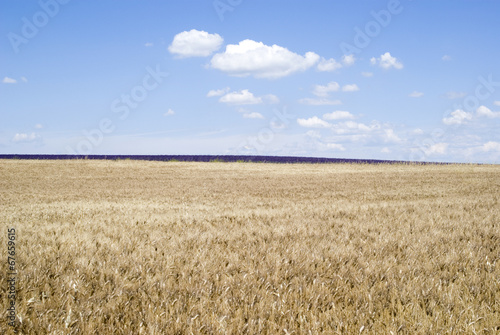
(140, 247)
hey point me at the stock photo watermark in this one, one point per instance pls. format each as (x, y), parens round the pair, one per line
(222, 6)
(11, 277)
(31, 26)
(267, 135)
(364, 36)
(453, 116)
(122, 107)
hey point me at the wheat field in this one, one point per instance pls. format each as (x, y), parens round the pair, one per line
(134, 247)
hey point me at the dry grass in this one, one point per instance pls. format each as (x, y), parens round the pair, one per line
(126, 247)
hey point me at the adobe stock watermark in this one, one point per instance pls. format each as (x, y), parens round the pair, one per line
(381, 19)
(470, 104)
(267, 134)
(222, 6)
(121, 107)
(31, 27)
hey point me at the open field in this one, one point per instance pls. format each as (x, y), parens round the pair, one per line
(127, 247)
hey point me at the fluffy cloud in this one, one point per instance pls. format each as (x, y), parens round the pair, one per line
(7, 80)
(324, 90)
(351, 126)
(491, 146)
(253, 115)
(243, 97)
(386, 61)
(455, 95)
(485, 111)
(217, 93)
(335, 146)
(416, 94)
(250, 58)
(338, 115)
(457, 117)
(328, 65)
(319, 102)
(195, 43)
(348, 60)
(313, 122)
(22, 137)
(438, 148)
(390, 136)
(350, 88)
(169, 112)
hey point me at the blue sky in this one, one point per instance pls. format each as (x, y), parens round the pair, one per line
(403, 80)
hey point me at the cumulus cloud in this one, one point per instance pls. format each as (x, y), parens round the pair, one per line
(319, 102)
(313, 122)
(335, 146)
(328, 65)
(253, 115)
(455, 95)
(324, 90)
(169, 112)
(350, 88)
(251, 58)
(367, 74)
(438, 148)
(22, 137)
(7, 80)
(416, 94)
(491, 146)
(338, 115)
(457, 117)
(485, 111)
(351, 126)
(390, 136)
(195, 43)
(217, 93)
(348, 60)
(386, 61)
(243, 97)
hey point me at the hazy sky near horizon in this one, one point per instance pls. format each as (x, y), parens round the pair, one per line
(402, 80)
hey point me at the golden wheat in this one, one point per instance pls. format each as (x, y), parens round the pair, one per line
(129, 247)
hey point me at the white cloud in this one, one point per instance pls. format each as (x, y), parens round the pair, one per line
(351, 126)
(455, 95)
(22, 137)
(338, 115)
(195, 43)
(217, 93)
(169, 112)
(416, 94)
(485, 111)
(313, 122)
(367, 74)
(390, 136)
(324, 90)
(313, 134)
(348, 60)
(335, 146)
(457, 117)
(7, 80)
(417, 131)
(319, 102)
(38, 126)
(438, 148)
(385, 150)
(261, 61)
(148, 44)
(446, 58)
(350, 88)
(253, 115)
(496, 103)
(243, 97)
(491, 146)
(386, 61)
(328, 65)
(270, 99)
